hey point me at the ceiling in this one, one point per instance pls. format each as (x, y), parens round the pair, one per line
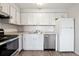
(45, 6)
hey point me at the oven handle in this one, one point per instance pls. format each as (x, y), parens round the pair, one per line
(1, 43)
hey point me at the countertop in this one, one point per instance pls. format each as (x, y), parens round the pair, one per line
(13, 33)
(18, 33)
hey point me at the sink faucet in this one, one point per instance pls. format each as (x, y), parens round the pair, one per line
(38, 31)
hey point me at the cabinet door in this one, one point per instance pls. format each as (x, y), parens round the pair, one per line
(45, 19)
(53, 21)
(27, 42)
(13, 15)
(32, 19)
(20, 42)
(18, 16)
(28, 19)
(38, 42)
(32, 42)
(24, 18)
(5, 7)
(42, 19)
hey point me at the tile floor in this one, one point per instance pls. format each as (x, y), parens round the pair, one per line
(46, 53)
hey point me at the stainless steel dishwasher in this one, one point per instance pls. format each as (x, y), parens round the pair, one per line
(49, 41)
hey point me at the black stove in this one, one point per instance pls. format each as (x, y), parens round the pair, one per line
(9, 44)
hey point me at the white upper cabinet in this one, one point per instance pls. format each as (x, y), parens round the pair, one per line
(41, 18)
(4, 7)
(31, 19)
(45, 19)
(13, 15)
(24, 18)
(37, 19)
(28, 19)
(18, 16)
(13, 11)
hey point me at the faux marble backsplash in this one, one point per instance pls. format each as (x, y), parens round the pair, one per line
(40, 28)
(9, 27)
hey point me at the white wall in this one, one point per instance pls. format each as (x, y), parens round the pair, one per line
(74, 12)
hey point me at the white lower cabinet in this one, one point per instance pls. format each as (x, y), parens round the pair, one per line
(20, 42)
(33, 41)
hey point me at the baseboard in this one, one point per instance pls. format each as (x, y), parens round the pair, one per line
(76, 52)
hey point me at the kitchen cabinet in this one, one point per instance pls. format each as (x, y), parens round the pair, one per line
(18, 16)
(24, 19)
(28, 19)
(53, 21)
(20, 42)
(40, 18)
(13, 11)
(13, 15)
(33, 42)
(37, 19)
(46, 19)
(43, 19)
(4, 7)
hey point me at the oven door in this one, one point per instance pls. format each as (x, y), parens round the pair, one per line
(9, 48)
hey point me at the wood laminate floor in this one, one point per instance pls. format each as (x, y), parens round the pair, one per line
(46, 53)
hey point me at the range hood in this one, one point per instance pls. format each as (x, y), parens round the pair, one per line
(4, 15)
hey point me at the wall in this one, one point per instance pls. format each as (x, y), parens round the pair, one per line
(74, 12)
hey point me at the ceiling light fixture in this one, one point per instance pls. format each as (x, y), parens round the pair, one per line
(40, 3)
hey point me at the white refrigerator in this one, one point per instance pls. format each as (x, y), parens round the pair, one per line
(65, 34)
